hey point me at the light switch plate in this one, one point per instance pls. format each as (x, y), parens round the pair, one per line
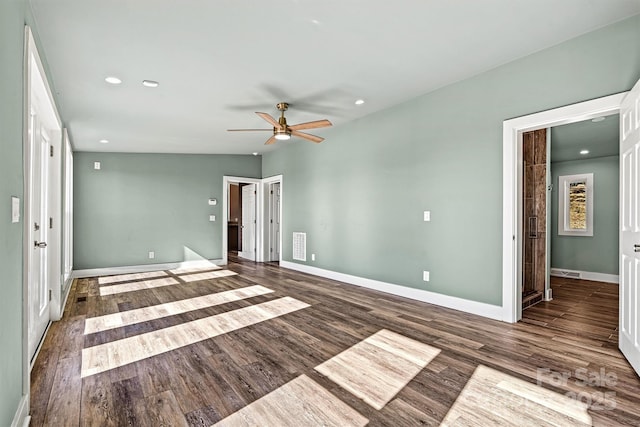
(427, 215)
(212, 218)
(313, 257)
(425, 276)
(96, 165)
(15, 209)
(213, 202)
(152, 255)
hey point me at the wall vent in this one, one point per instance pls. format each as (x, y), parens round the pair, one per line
(565, 273)
(299, 246)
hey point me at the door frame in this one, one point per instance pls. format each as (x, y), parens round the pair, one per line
(262, 213)
(30, 51)
(226, 180)
(267, 183)
(512, 233)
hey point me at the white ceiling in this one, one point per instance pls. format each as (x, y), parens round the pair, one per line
(601, 139)
(220, 61)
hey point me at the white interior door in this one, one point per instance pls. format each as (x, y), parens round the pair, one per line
(629, 340)
(274, 222)
(248, 222)
(39, 315)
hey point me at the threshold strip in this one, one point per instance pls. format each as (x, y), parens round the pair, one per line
(105, 357)
(145, 314)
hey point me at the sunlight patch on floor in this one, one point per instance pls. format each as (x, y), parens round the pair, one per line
(145, 314)
(137, 286)
(377, 368)
(206, 276)
(105, 280)
(492, 397)
(118, 353)
(300, 402)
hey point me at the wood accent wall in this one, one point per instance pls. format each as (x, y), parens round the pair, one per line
(534, 205)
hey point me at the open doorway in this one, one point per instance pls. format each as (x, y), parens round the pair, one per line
(240, 218)
(252, 218)
(570, 205)
(513, 224)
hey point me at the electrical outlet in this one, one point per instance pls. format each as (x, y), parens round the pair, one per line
(152, 255)
(96, 165)
(313, 257)
(212, 218)
(427, 215)
(425, 276)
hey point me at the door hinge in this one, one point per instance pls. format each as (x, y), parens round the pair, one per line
(50, 222)
(550, 187)
(50, 293)
(51, 151)
(271, 191)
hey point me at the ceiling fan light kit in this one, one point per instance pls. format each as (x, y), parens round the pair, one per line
(282, 131)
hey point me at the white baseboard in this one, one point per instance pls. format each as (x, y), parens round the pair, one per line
(108, 271)
(479, 308)
(588, 275)
(21, 418)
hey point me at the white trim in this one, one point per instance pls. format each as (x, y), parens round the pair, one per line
(109, 271)
(266, 183)
(511, 189)
(588, 275)
(564, 183)
(21, 417)
(455, 303)
(261, 217)
(226, 180)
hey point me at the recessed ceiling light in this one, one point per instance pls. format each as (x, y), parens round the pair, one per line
(315, 21)
(584, 152)
(597, 119)
(104, 141)
(360, 102)
(113, 80)
(150, 83)
(254, 153)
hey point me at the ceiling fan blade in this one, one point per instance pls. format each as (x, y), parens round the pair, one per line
(311, 125)
(249, 130)
(269, 119)
(307, 136)
(271, 140)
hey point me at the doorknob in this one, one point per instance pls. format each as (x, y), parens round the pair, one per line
(41, 245)
(636, 248)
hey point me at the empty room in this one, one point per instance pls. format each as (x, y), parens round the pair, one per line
(294, 213)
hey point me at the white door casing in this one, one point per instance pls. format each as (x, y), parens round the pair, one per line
(629, 327)
(248, 222)
(274, 221)
(512, 233)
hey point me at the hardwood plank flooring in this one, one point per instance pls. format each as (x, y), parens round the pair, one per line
(560, 364)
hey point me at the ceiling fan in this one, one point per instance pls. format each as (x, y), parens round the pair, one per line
(282, 131)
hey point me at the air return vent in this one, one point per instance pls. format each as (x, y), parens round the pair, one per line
(300, 246)
(565, 273)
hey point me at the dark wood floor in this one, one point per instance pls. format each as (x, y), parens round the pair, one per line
(205, 382)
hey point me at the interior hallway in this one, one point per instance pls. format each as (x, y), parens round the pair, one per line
(255, 343)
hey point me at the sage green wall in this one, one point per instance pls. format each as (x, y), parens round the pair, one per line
(138, 203)
(598, 254)
(12, 19)
(360, 194)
